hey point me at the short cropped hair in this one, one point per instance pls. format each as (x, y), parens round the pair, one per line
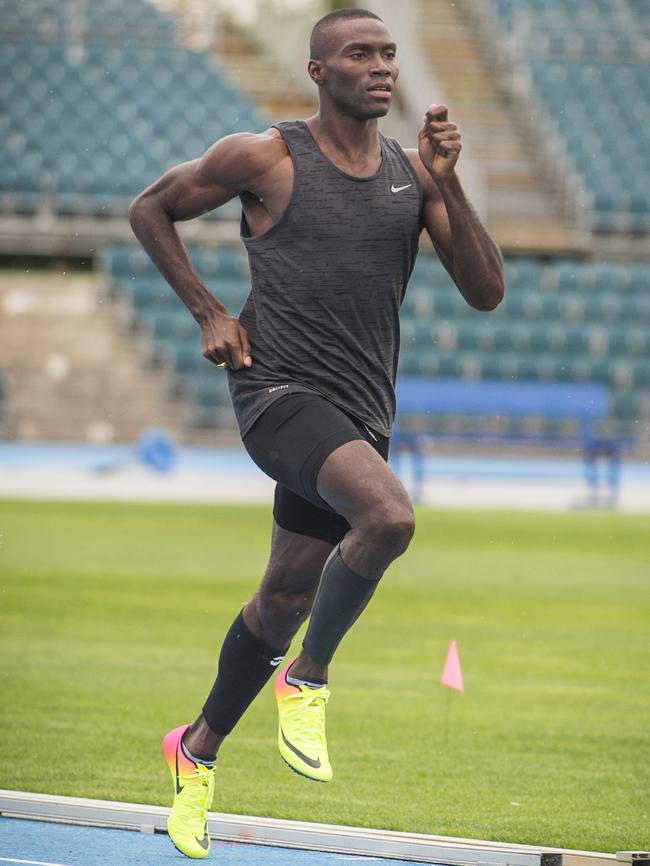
(320, 43)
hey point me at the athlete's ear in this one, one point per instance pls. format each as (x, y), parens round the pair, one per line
(316, 72)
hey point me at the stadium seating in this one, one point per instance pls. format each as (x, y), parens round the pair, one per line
(157, 310)
(562, 320)
(134, 23)
(100, 101)
(588, 65)
(90, 120)
(640, 11)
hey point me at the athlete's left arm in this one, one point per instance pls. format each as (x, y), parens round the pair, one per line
(465, 248)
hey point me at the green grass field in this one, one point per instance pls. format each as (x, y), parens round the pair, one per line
(111, 619)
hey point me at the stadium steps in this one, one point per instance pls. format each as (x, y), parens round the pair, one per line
(174, 337)
(523, 215)
(574, 61)
(56, 333)
(6, 417)
(206, 25)
(277, 91)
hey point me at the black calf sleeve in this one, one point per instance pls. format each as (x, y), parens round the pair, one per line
(245, 665)
(342, 596)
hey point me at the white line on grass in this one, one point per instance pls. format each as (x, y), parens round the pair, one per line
(33, 862)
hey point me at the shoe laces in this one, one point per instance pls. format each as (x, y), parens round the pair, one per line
(308, 708)
(198, 788)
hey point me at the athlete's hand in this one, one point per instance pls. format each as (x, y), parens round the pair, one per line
(439, 143)
(225, 342)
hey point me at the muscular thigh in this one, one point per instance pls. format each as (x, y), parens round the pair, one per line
(290, 441)
(299, 515)
(354, 480)
(294, 435)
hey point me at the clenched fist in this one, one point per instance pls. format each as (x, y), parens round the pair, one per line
(225, 342)
(439, 143)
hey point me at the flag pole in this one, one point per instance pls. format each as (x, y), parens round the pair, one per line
(447, 719)
(452, 677)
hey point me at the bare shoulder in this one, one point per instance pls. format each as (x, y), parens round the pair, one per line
(239, 159)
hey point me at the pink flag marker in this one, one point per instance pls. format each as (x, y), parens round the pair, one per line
(452, 674)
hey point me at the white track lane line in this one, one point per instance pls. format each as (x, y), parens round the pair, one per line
(33, 862)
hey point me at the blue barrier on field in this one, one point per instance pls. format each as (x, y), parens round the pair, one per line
(583, 403)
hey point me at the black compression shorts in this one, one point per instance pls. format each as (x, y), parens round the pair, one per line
(290, 441)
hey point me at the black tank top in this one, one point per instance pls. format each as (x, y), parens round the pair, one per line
(328, 279)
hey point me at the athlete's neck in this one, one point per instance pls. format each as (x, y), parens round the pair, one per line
(354, 140)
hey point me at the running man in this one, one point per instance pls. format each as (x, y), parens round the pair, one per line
(331, 216)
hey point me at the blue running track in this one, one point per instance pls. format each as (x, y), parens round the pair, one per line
(43, 844)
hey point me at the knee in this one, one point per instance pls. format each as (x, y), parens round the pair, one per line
(281, 613)
(294, 605)
(391, 527)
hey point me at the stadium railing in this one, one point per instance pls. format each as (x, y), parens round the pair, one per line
(581, 404)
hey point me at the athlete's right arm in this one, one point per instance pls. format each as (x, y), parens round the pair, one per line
(187, 191)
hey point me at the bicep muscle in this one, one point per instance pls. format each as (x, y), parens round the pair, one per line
(197, 187)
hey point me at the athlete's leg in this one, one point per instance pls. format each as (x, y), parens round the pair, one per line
(301, 440)
(285, 596)
(357, 483)
(260, 635)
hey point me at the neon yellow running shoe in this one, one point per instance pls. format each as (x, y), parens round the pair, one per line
(301, 735)
(187, 824)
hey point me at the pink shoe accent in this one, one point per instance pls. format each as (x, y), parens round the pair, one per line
(174, 755)
(281, 686)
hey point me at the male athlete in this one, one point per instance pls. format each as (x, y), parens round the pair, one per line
(331, 216)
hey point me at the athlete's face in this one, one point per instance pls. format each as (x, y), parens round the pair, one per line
(360, 72)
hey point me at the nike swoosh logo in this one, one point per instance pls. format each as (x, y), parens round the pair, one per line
(400, 188)
(205, 842)
(276, 661)
(371, 433)
(178, 787)
(310, 761)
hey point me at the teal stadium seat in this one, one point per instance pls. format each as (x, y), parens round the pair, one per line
(562, 320)
(587, 60)
(210, 393)
(110, 20)
(174, 333)
(99, 126)
(148, 295)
